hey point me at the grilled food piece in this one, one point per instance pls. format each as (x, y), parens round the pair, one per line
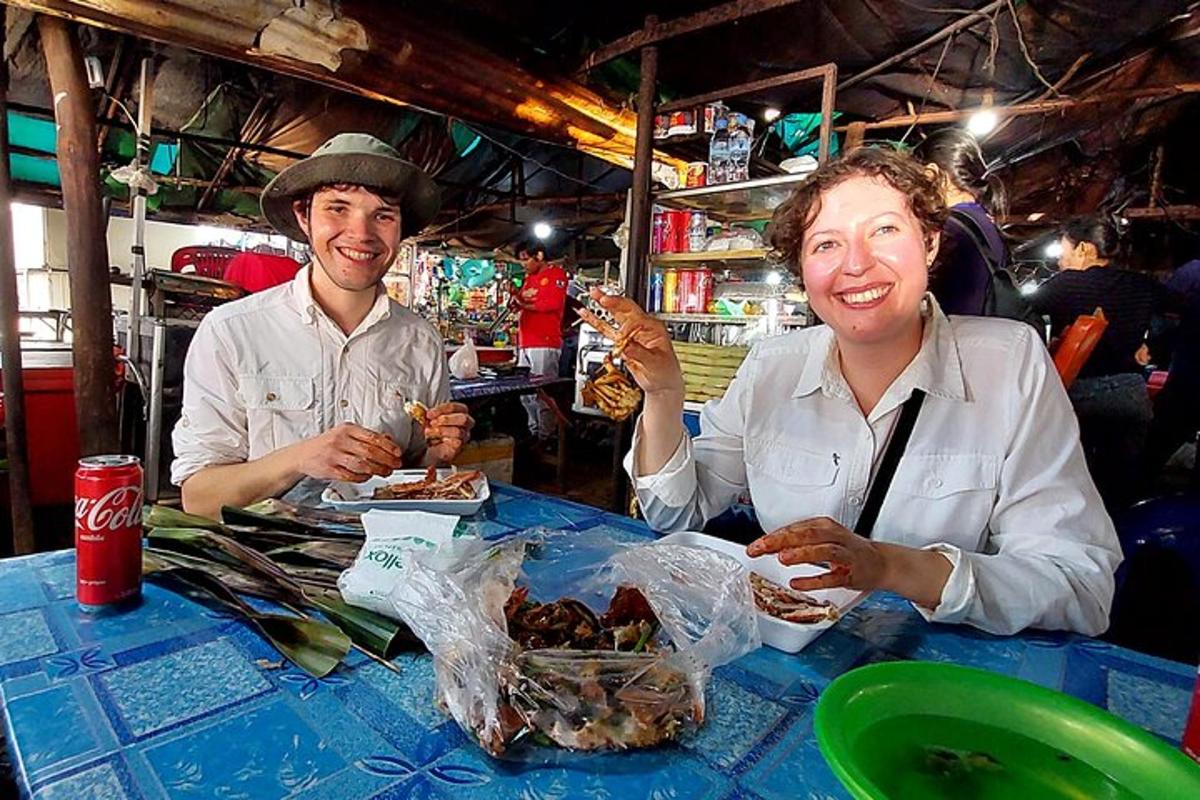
(788, 604)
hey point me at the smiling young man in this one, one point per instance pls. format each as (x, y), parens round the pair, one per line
(307, 382)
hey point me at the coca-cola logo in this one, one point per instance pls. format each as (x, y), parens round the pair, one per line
(120, 508)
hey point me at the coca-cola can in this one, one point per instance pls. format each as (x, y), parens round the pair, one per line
(705, 289)
(682, 220)
(108, 531)
(658, 230)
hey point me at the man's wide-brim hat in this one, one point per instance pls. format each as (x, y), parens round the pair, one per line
(358, 159)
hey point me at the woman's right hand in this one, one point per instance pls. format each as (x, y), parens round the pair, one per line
(646, 349)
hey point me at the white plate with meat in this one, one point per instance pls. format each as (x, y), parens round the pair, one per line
(442, 491)
(787, 620)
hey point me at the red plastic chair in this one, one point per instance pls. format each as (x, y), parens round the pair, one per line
(1076, 344)
(205, 261)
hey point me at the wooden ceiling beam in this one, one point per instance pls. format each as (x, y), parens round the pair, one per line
(710, 17)
(403, 60)
(1037, 107)
(970, 21)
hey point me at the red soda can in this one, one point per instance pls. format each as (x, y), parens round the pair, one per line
(658, 231)
(705, 289)
(108, 531)
(669, 237)
(1191, 733)
(683, 221)
(689, 281)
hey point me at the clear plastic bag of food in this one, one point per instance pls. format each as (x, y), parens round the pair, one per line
(560, 639)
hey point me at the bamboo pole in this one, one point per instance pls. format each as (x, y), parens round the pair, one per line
(15, 435)
(87, 248)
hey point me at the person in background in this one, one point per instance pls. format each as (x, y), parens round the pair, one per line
(255, 272)
(990, 518)
(1177, 406)
(295, 386)
(539, 330)
(962, 276)
(1109, 396)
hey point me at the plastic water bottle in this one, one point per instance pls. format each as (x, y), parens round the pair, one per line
(740, 142)
(718, 153)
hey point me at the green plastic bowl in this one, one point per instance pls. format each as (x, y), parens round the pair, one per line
(919, 730)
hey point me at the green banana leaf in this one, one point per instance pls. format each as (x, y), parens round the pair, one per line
(315, 646)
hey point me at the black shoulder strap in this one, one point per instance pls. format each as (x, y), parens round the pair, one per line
(889, 462)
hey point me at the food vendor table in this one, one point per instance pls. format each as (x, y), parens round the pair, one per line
(482, 390)
(180, 700)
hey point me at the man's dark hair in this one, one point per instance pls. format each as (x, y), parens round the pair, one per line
(391, 200)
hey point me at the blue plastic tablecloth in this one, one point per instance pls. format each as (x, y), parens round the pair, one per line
(179, 700)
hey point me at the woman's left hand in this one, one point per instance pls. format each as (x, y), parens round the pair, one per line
(855, 562)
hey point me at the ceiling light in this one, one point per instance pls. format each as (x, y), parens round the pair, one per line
(982, 122)
(772, 114)
(1053, 250)
(542, 230)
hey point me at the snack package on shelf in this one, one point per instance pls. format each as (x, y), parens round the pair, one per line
(707, 369)
(553, 640)
(734, 238)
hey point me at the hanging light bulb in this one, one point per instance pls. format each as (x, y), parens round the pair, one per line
(982, 122)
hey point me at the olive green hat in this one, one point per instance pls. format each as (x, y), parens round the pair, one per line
(361, 160)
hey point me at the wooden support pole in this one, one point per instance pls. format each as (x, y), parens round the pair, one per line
(640, 207)
(855, 135)
(15, 436)
(87, 248)
(638, 250)
(828, 96)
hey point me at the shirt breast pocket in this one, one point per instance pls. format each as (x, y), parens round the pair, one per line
(279, 411)
(789, 483)
(391, 417)
(941, 498)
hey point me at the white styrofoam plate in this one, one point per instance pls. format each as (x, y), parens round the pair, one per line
(790, 637)
(346, 496)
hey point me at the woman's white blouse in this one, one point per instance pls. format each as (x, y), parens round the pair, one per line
(993, 476)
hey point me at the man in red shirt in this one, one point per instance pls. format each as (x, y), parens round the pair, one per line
(540, 330)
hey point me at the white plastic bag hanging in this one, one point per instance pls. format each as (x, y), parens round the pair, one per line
(464, 364)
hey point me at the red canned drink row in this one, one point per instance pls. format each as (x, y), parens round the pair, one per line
(674, 230)
(694, 291)
(108, 531)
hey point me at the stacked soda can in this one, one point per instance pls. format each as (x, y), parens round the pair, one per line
(656, 290)
(705, 290)
(670, 302)
(658, 231)
(108, 531)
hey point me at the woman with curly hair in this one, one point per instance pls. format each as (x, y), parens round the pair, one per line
(981, 510)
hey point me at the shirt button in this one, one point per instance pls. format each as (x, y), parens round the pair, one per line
(935, 483)
(344, 403)
(855, 500)
(272, 397)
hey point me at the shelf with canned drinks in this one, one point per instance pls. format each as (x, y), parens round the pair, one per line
(753, 258)
(725, 319)
(729, 202)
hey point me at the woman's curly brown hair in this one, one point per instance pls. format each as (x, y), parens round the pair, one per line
(899, 170)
